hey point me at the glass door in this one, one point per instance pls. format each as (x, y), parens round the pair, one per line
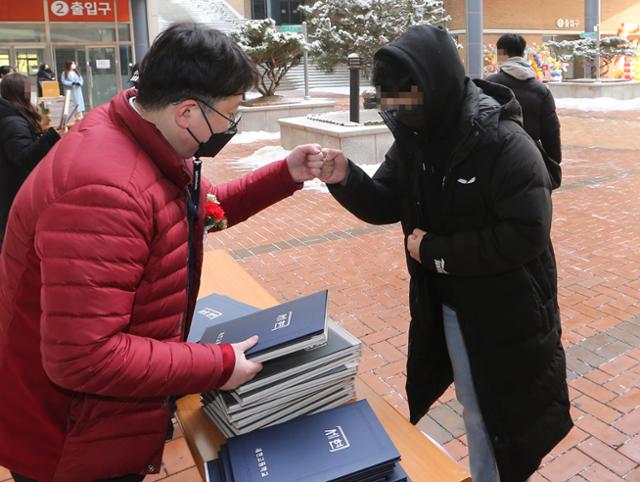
(103, 75)
(79, 56)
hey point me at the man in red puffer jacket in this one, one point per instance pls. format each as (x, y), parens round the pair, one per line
(100, 268)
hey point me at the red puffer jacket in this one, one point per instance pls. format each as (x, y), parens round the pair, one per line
(93, 299)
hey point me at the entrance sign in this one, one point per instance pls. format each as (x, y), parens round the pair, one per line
(94, 11)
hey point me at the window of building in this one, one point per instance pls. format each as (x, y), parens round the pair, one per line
(83, 32)
(21, 32)
(259, 9)
(289, 13)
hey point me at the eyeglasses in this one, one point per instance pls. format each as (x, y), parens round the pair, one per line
(233, 120)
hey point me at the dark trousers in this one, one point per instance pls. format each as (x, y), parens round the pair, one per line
(124, 478)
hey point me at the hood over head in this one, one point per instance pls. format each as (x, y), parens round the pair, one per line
(430, 57)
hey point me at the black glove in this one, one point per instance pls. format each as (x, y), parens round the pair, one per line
(77, 84)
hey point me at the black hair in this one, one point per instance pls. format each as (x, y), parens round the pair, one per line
(513, 44)
(12, 89)
(190, 60)
(390, 75)
(5, 70)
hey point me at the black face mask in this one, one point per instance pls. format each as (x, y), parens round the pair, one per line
(215, 143)
(413, 119)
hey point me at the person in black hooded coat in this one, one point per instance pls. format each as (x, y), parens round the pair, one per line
(473, 196)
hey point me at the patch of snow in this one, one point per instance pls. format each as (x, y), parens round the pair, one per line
(254, 136)
(598, 104)
(253, 94)
(262, 157)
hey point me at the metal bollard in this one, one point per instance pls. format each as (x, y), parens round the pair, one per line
(354, 61)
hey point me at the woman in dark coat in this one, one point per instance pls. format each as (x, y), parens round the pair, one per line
(473, 196)
(22, 141)
(44, 73)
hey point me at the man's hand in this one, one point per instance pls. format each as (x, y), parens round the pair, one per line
(305, 162)
(244, 370)
(335, 167)
(413, 243)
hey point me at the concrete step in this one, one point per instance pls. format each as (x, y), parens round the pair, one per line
(318, 78)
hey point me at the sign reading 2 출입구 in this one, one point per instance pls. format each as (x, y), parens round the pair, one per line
(93, 11)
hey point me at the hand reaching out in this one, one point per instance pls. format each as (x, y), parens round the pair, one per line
(244, 370)
(335, 166)
(305, 162)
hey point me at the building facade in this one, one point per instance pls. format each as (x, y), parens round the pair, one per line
(541, 20)
(97, 35)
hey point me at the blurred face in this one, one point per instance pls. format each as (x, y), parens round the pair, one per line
(503, 56)
(73, 66)
(412, 100)
(408, 106)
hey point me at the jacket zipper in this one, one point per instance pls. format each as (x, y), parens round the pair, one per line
(461, 153)
(191, 216)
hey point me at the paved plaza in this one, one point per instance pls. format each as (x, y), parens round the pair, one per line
(308, 242)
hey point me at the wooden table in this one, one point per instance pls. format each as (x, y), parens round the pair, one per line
(422, 460)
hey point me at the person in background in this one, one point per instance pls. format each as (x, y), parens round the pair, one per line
(22, 141)
(135, 75)
(44, 74)
(538, 105)
(6, 70)
(101, 264)
(473, 196)
(73, 81)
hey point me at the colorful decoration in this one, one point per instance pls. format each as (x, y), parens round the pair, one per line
(628, 66)
(544, 64)
(489, 60)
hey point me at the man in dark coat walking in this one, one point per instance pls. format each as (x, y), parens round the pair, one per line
(538, 106)
(473, 196)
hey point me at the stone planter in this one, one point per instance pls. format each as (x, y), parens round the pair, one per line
(363, 144)
(622, 90)
(265, 117)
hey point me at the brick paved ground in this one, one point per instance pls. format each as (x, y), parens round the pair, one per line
(308, 242)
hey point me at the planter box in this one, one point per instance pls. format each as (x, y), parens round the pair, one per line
(361, 144)
(622, 90)
(265, 117)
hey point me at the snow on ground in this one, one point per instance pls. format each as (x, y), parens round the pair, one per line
(598, 104)
(262, 157)
(265, 155)
(254, 136)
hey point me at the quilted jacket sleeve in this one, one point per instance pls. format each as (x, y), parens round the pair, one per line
(253, 192)
(93, 243)
(376, 199)
(550, 128)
